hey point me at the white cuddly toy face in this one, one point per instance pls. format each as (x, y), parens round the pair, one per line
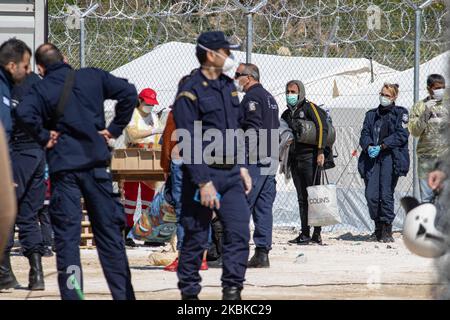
(420, 234)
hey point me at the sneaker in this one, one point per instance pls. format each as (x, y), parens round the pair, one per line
(302, 239)
(47, 252)
(172, 267)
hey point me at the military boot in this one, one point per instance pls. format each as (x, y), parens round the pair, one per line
(386, 233)
(260, 259)
(189, 297)
(376, 236)
(36, 275)
(7, 278)
(231, 293)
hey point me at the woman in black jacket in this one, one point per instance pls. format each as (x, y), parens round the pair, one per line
(384, 158)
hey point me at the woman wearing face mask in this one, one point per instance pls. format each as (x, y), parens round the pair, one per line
(384, 158)
(141, 132)
(428, 122)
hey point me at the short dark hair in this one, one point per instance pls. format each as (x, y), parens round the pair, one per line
(252, 70)
(200, 53)
(13, 50)
(48, 54)
(435, 78)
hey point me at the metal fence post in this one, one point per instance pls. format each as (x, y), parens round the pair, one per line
(248, 56)
(417, 34)
(82, 44)
(90, 10)
(249, 17)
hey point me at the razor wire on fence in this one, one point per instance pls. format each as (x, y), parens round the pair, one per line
(342, 50)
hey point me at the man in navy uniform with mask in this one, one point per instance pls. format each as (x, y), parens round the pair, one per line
(260, 117)
(209, 98)
(76, 137)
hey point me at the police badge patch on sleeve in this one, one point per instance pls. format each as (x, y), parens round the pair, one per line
(405, 120)
(6, 101)
(252, 106)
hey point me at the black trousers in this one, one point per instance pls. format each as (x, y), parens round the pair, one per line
(303, 167)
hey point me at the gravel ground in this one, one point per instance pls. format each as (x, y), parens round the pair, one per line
(346, 267)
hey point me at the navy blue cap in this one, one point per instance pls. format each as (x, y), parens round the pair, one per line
(215, 40)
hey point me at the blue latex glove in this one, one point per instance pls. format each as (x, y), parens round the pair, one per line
(374, 151)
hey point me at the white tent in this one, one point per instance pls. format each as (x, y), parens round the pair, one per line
(341, 84)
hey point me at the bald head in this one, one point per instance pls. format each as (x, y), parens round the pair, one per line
(48, 54)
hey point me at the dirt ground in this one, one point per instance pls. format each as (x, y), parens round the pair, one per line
(346, 267)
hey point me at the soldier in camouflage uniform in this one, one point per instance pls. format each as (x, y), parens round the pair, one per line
(428, 120)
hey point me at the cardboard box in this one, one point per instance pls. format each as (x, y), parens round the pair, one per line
(133, 159)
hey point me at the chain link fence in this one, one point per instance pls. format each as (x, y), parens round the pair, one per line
(342, 50)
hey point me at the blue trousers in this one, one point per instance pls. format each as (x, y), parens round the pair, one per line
(176, 177)
(261, 200)
(28, 169)
(107, 218)
(380, 187)
(195, 218)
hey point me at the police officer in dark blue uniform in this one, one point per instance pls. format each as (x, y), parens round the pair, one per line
(260, 115)
(14, 67)
(384, 158)
(209, 98)
(78, 157)
(28, 162)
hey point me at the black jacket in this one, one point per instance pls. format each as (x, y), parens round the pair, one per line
(307, 110)
(80, 146)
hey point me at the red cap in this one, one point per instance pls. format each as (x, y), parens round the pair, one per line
(149, 96)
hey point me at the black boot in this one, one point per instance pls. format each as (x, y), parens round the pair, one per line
(386, 233)
(7, 278)
(260, 259)
(36, 276)
(376, 236)
(189, 297)
(302, 239)
(231, 293)
(316, 237)
(128, 241)
(218, 263)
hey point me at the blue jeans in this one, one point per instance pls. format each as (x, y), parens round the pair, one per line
(176, 177)
(426, 193)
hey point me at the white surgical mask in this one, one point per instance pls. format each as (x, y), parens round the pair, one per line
(147, 109)
(239, 87)
(438, 94)
(385, 101)
(230, 64)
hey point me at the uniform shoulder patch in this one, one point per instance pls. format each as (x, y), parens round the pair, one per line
(252, 105)
(187, 94)
(6, 101)
(405, 118)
